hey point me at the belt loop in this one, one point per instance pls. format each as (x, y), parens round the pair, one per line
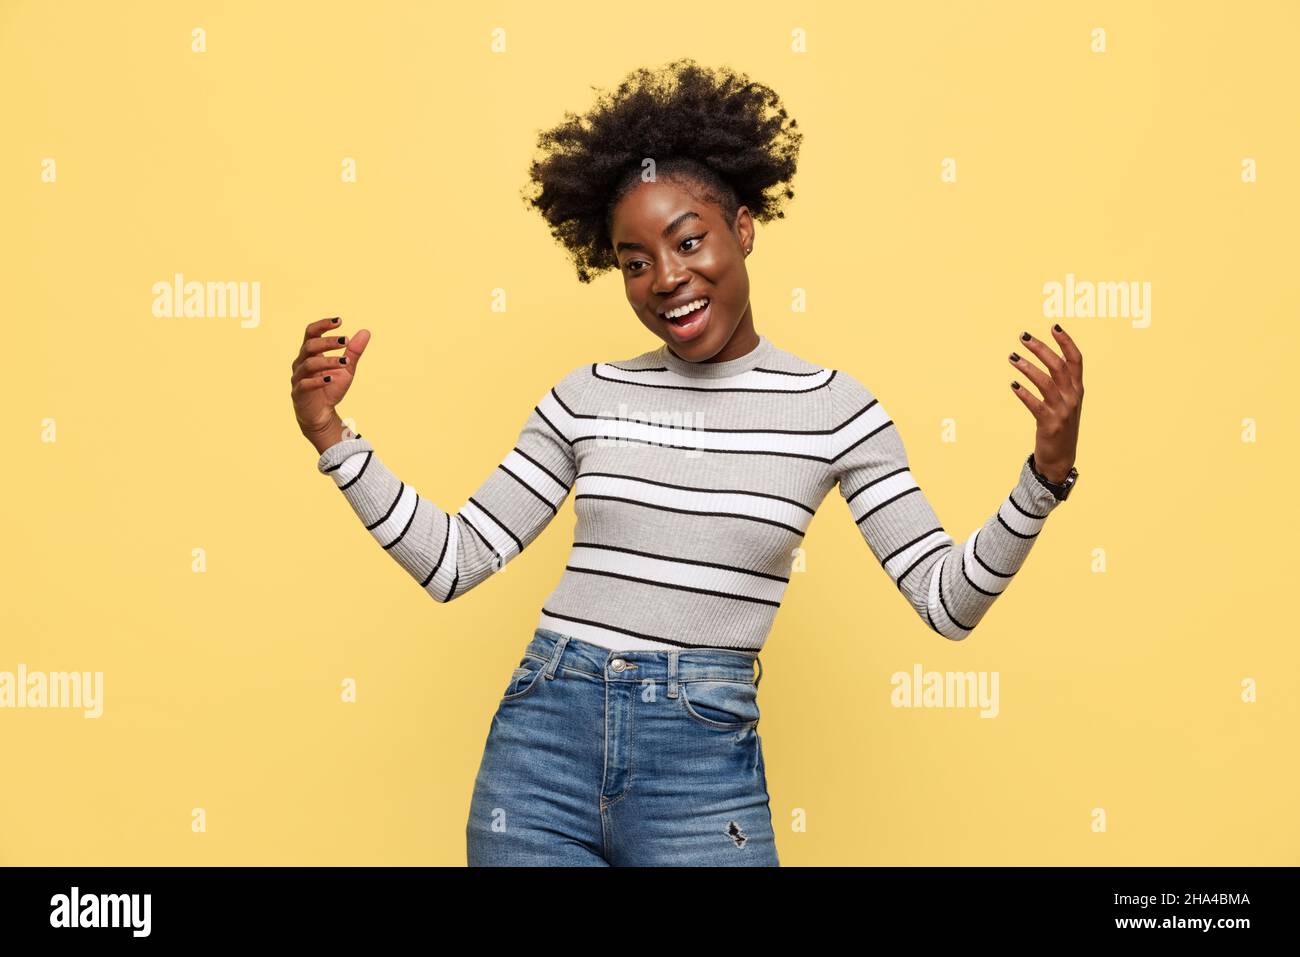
(672, 674)
(760, 670)
(555, 656)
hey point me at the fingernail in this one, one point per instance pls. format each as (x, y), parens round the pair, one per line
(1014, 357)
(327, 378)
(1025, 336)
(335, 319)
(343, 339)
(343, 360)
(1058, 328)
(1014, 384)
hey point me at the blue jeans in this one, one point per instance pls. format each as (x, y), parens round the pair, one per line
(626, 758)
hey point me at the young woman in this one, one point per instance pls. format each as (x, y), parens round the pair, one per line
(628, 733)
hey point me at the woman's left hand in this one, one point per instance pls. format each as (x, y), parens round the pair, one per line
(1057, 412)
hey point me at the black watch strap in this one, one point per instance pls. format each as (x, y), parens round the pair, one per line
(1060, 490)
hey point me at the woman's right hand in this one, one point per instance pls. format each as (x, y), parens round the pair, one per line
(314, 399)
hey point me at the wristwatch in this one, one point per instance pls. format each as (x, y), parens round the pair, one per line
(1061, 490)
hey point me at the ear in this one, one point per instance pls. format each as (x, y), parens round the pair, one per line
(745, 229)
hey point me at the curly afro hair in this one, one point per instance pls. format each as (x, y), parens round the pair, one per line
(727, 135)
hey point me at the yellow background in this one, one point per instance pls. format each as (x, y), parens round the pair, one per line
(1119, 690)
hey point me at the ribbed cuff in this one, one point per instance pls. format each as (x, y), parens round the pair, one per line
(1039, 496)
(339, 452)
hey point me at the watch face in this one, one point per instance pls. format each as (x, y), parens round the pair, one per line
(1068, 484)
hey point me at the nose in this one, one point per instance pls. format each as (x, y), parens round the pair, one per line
(669, 275)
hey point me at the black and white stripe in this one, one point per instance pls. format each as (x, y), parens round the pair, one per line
(679, 551)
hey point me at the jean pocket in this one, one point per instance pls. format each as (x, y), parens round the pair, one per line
(524, 678)
(722, 705)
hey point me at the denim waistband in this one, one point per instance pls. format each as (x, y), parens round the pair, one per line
(666, 665)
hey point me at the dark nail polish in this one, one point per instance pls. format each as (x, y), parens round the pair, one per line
(1025, 336)
(1058, 328)
(1015, 384)
(343, 339)
(1014, 357)
(335, 319)
(343, 360)
(327, 378)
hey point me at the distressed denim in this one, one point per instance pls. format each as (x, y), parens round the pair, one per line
(623, 758)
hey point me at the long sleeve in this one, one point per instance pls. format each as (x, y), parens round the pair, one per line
(950, 585)
(448, 554)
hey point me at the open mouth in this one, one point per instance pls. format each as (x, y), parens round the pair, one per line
(689, 321)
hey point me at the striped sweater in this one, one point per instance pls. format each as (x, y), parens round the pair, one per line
(694, 484)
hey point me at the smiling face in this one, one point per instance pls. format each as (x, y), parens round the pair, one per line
(674, 248)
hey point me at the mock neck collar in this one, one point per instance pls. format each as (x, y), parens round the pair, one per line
(716, 370)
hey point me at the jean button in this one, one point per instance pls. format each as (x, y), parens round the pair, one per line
(618, 664)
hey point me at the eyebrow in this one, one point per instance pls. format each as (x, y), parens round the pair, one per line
(666, 233)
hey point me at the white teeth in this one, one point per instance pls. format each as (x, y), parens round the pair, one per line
(683, 310)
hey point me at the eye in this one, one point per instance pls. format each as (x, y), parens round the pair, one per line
(630, 265)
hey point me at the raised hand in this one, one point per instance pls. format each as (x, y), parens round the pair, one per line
(1057, 412)
(319, 381)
